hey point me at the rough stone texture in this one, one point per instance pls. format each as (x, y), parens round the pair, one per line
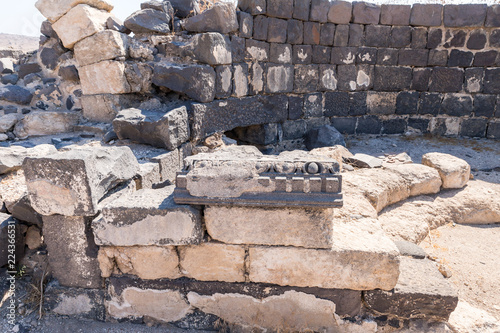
(319, 10)
(147, 217)
(420, 179)
(467, 318)
(446, 79)
(427, 15)
(421, 292)
(364, 161)
(46, 123)
(54, 11)
(18, 240)
(213, 262)
(105, 77)
(454, 171)
(16, 94)
(395, 14)
(220, 18)
(184, 8)
(324, 136)
(280, 8)
(146, 262)
(224, 81)
(309, 228)
(86, 303)
(8, 121)
(105, 107)
(11, 158)
(360, 247)
(391, 78)
(301, 9)
(80, 22)
(338, 153)
(210, 48)
(178, 78)
(245, 22)
(158, 128)
(365, 13)
(340, 12)
(71, 182)
(493, 16)
(279, 78)
(148, 21)
(104, 45)
(469, 15)
(72, 251)
(409, 249)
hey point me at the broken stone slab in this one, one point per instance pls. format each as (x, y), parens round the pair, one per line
(11, 158)
(454, 172)
(160, 128)
(72, 251)
(213, 262)
(37, 123)
(147, 217)
(104, 45)
(365, 161)
(179, 79)
(245, 177)
(54, 10)
(220, 18)
(16, 94)
(12, 240)
(105, 77)
(360, 248)
(78, 23)
(148, 21)
(71, 182)
(421, 292)
(309, 228)
(145, 262)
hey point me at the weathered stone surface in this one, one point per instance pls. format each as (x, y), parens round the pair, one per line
(428, 15)
(409, 249)
(80, 22)
(71, 182)
(105, 77)
(11, 158)
(104, 45)
(72, 251)
(213, 262)
(420, 179)
(146, 262)
(160, 128)
(395, 14)
(280, 8)
(245, 21)
(277, 30)
(469, 15)
(33, 238)
(148, 21)
(15, 197)
(421, 292)
(324, 136)
(11, 233)
(46, 123)
(446, 79)
(210, 48)
(360, 247)
(220, 18)
(338, 153)
(16, 94)
(240, 80)
(225, 115)
(365, 161)
(391, 78)
(319, 10)
(185, 8)
(493, 16)
(365, 13)
(105, 107)
(223, 81)
(8, 121)
(256, 50)
(69, 73)
(279, 78)
(147, 217)
(86, 303)
(310, 228)
(454, 171)
(53, 11)
(253, 7)
(340, 12)
(256, 79)
(467, 318)
(178, 78)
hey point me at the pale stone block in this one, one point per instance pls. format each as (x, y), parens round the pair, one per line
(105, 77)
(454, 172)
(53, 10)
(38, 123)
(420, 179)
(104, 45)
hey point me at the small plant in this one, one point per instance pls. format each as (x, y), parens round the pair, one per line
(21, 271)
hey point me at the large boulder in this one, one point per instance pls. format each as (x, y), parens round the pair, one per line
(220, 18)
(148, 21)
(324, 136)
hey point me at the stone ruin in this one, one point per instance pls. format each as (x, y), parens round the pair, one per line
(150, 225)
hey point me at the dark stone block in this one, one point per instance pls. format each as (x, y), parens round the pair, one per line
(10, 79)
(324, 136)
(494, 38)
(477, 40)
(327, 77)
(413, 57)
(392, 78)
(16, 95)
(377, 35)
(256, 50)
(47, 30)
(364, 77)
(223, 81)
(311, 33)
(260, 27)
(421, 78)
(346, 76)
(493, 16)
(427, 15)
(395, 14)
(345, 125)
(240, 79)
(302, 54)
(321, 54)
(356, 35)
(279, 78)
(394, 126)
(366, 55)
(342, 35)
(418, 38)
(446, 79)
(10, 227)
(26, 69)
(381, 103)
(407, 103)
(9, 109)
(280, 53)
(295, 30)
(438, 58)
(256, 79)
(294, 129)
(280, 8)
(420, 124)
(357, 104)
(327, 34)
(209, 118)
(430, 103)
(319, 10)
(493, 130)
(313, 123)
(455, 38)
(313, 105)
(336, 104)
(340, 12)
(473, 127)
(484, 105)
(69, 73)
(301, 9)
(369, 125)
(400, 37)
(306, 78)
(434, 38)
(154, 21)
(492, 81)
(245, 21)
(474, 80)
(457, 105)
(485, 59)
(470, 15)
(276, 31)
(343, 55)
(387, 57)
(460, 58)
(49, 56)
(264, 134)
(238, 50)
(295, 107)
(365, 13)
